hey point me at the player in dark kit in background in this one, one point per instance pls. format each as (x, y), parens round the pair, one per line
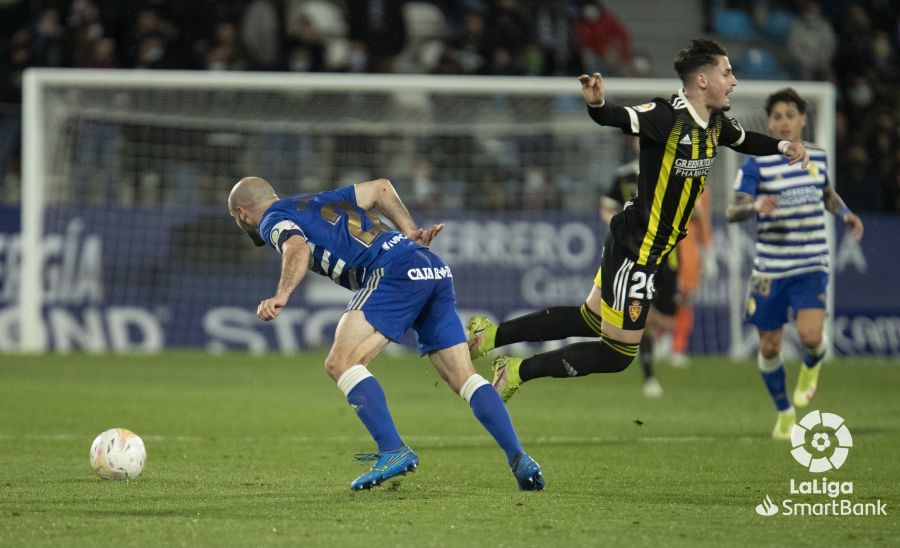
(399, 284)
(679, 138)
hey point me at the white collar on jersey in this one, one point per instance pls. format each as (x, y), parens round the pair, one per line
(700, 121)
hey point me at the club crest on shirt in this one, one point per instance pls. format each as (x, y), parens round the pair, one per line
(634, 310)
(646, 107)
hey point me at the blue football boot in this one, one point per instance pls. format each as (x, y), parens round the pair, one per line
(528, 473)
(387, 465)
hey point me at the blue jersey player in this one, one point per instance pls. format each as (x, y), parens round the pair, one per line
(398, 284)
(790, 270)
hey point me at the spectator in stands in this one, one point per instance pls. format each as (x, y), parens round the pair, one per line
(855, 34)
(603, 39)
(510, 28)
(84, 29)
(18, 57)
(533, 60)
(358, 59)
(859, 182)
(556, 36)
(101, 54)
(884, 56)
(150, 40)
(306, 52)
(377, 24)
(860, 97)
(812, 42)
(504, 64)
(501, 37)
(261, 34)
(226, 52)
(640, 66)
(468, 53)
(48, 42)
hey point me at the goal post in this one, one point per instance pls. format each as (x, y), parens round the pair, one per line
(131, 168)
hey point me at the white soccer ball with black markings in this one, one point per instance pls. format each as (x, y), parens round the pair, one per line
(118, 454)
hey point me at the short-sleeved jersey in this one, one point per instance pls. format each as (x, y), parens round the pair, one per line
(792, 241)
(677, 151)
(346, 241)
(624, 186)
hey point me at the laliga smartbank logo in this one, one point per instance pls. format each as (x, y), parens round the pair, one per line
(820, 443)
(830, 441)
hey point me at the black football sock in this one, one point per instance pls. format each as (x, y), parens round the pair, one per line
(549, 324)
(646, 347)
(580, 359)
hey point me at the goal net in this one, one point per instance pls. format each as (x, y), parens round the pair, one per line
(127, 245)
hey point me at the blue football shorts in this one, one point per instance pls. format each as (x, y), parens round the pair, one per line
(771, 298)
(412, 291)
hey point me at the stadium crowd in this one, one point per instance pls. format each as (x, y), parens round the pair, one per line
(854, 44)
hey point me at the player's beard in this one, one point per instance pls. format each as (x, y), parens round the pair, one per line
(726, 105)
(257, 241)
(722, 109)
(253, 233)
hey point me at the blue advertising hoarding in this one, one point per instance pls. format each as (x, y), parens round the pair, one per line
(120, 279)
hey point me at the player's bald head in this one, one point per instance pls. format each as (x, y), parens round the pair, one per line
(250, 192)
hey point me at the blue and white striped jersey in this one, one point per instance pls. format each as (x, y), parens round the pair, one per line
(346, 241)
(792, 241)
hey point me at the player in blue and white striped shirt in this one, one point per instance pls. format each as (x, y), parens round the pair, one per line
(790, 270)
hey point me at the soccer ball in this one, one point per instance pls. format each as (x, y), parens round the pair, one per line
(118, 454)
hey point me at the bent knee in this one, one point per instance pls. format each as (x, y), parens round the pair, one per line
(770, 347)
(335, 367)
(811, 338)
(614, 357)
(621, 364)
(770, 351)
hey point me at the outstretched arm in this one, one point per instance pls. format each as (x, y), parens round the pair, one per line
(758, 144)
(744, 206)
(381, 195)
(605, 114)
(836, 206)
(294, 265)
(644, 120)
(593, 90)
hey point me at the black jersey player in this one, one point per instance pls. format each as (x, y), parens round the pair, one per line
(679, 138)
(661, 319)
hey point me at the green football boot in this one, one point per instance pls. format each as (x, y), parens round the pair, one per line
(481, 333)
(506, 376)
(806, 385)
(784, 424)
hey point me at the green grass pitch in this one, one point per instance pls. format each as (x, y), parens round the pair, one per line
(257, 451)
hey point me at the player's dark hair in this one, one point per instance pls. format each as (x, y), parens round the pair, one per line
(698, 54)
(786, 95)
